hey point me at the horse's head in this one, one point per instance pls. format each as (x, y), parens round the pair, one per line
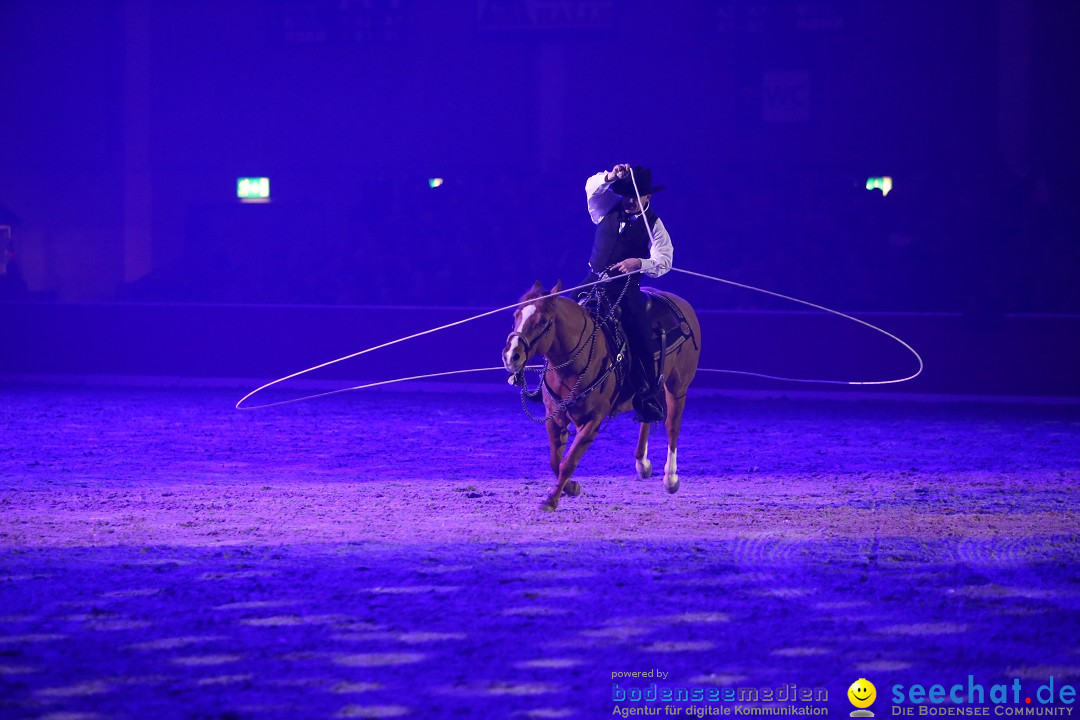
(533, 327)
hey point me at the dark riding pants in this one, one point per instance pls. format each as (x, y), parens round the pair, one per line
(636, 326)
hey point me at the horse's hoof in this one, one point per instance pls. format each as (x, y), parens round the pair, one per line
(671, 482)
(549, 505)
(572, 488)
(644, 468)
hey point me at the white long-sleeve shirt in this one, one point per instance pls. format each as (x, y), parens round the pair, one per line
(601, 200)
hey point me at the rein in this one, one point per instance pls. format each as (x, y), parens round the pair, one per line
(573, 396)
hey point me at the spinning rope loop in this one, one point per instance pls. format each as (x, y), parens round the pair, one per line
(240, 404)
(447, 326)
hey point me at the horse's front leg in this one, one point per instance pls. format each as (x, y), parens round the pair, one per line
(673, 424)
(641, 452)
(556, 438)
(585, 435)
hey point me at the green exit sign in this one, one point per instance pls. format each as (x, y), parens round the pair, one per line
(253, 189)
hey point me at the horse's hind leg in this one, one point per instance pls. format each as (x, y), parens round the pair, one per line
(585, 435)
(557, 440)
(673, 424)
(641, 452)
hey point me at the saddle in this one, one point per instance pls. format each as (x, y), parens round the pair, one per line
(668, 323)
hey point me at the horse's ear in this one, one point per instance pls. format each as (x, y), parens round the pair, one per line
(557, 289)
(537, 287)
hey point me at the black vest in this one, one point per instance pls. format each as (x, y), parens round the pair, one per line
(611, 246)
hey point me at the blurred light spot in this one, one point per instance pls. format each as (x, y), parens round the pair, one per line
(423, 637)
(372, 711)
(520, 689)
(357, 687)
(175, 642)
(695, 618)
(256, 604)
(923, 629)
(549, 713)
(434, 182)
(291, 620)
(413, 589)
(500, 689)
(619, 633)
(882, 666)
(536, 610)
(225, 679)
(409, 637)
(784, 592)
(111, 625)
(298, 681)
(307, 655)
(840, 604)
(569, 644)
(549, 663)
(139, 592)
(69, 716)
(800, 652)
(686, 646)
(140, 679)
(884, 184)
(378, 659)
(17, 669)
(95, 687)
(43, 637)
(198, 660)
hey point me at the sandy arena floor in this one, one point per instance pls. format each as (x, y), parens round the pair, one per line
(383, 554)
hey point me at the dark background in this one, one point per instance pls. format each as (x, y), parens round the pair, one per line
(125, 125)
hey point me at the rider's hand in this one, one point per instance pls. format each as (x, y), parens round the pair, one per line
(627, 266)
(618, 172)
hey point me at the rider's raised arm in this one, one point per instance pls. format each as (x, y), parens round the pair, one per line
(600, 197)
(661, 253)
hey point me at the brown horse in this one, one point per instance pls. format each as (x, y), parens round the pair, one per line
(565, 335)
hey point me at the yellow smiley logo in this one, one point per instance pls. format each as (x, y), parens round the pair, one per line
(862, 693)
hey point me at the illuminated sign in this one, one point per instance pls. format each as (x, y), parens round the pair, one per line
(253, 189)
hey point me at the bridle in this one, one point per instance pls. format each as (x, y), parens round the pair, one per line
(574, 396)
(526, 342)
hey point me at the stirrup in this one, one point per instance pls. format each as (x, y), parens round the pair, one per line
(653, 391)
(649, 411)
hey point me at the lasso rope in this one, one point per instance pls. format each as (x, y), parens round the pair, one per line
(887, 334)
(343, 358)
(240, 404)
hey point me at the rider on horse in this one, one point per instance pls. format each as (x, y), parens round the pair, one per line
(623, 245)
